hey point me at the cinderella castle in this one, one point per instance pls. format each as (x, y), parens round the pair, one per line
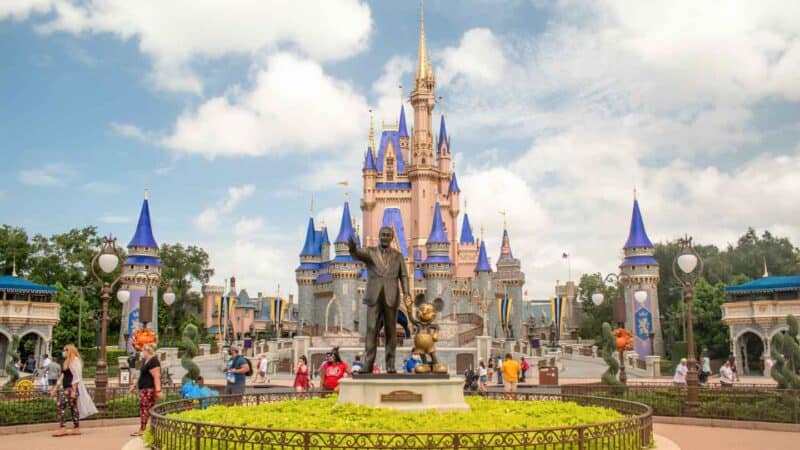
(409, 185)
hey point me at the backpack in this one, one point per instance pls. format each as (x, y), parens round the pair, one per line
(249, 372)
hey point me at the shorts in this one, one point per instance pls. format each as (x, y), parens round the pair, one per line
(510, 386)
(483, 378)
(52, 382)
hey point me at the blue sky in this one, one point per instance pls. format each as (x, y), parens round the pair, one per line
(235, 113)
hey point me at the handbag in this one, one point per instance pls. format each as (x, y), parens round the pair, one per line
(86, 406)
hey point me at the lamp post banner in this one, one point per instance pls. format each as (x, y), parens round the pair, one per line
(644, 326)
(133, 315)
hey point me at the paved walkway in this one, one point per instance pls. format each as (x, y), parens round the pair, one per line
(689, 437)
(106, 438)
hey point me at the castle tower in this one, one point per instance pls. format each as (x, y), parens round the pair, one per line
(438, 266)
(423, 173)
(345, 272)
(139, 275)
(483, 273)
(306, 273)
(402, 131)
(509, 279)
(467, 254)
(639, 271)
(453, 200)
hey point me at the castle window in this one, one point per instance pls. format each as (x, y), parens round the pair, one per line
(390, 168)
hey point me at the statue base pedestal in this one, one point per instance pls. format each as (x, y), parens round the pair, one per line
(404, 392)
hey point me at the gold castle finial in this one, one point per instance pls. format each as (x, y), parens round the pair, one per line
(400, 88)
(422, 53)
(371, 133)
(481, 233)
(311, 206)
(146, 193)
(504, 213)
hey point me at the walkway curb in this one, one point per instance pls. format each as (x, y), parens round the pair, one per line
(51, 426)
(723, 423)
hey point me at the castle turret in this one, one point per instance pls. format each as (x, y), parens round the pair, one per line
(509, 278)
(139, 274)
(402, 131)
(443, 148)
(306, 273)
(467, 255)
(438, 266)
(345, 273)
(639, 271)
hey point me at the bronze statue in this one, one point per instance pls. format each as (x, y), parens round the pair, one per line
(426, 334)
(386, 277)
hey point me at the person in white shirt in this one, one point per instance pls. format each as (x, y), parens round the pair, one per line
(261, 373)
(726, 375)
(680, 373)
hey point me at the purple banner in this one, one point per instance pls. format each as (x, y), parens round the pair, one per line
(642, 325)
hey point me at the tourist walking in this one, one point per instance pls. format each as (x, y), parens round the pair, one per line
(726, 375)
(301, 383)
(523, 366)
(705, 368)
(499, 366)
(510, 371)
(52, 371)
(680, 373)
(235, 372)
(482, 376)
(149, 385)
(357, 364)
(261, 373)
(334, 371)
(67, 396)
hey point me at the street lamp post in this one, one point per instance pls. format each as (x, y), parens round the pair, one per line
(108, 261)
(691, 269)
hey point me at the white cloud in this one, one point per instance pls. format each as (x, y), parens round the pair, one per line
(49, 175)
(387, 89)
(131, 131)
(22, 9)
(209, 219)
(176, 34)
(247, 226)
(479, 57)
(293, 106)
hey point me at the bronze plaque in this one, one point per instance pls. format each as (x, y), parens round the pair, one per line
(402, 396)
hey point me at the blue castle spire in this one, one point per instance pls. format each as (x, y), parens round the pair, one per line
(346, 231)
(310, 247)
(401, 128)
(637, 237)
(437, 236)
(454, 184)
(466, 231)
(505, 248)
(483, 260)
(324, 240)
(144, 231)
(369, 160)
(443, 139)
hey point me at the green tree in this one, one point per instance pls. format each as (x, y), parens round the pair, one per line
(14, 246)
(181, 268)
(595, 315)
(74, 307)
(711, 333)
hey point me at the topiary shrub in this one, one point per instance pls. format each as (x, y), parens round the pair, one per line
(11, 368)
(609, 377)
(190, 336)
(786, 354)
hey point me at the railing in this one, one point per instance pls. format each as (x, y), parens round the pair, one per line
(586, 351)
(468, 336)
(38, 406)
(741, 402)
(634, 431)
(641, 364)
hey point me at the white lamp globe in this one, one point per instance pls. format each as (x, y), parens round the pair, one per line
(169, 298)
(687, 262)
(123, 295)
(640, 296)
(108, 262)
(597, 298)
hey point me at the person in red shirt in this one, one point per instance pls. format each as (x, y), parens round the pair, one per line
(333, 371)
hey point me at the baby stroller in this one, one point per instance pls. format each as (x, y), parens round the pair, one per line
(470, 380)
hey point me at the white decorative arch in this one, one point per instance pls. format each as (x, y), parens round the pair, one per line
(6, 334)
(333, 301)
(777, 330)
(749, 329)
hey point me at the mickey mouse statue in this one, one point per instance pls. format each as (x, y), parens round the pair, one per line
(426, 334)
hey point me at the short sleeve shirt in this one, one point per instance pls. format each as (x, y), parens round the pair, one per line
(510, 370)
(333, 373)
(236, 363)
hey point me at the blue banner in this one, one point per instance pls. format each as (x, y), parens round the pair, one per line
(644, 324)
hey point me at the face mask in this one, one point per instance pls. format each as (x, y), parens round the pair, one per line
(63, 354)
